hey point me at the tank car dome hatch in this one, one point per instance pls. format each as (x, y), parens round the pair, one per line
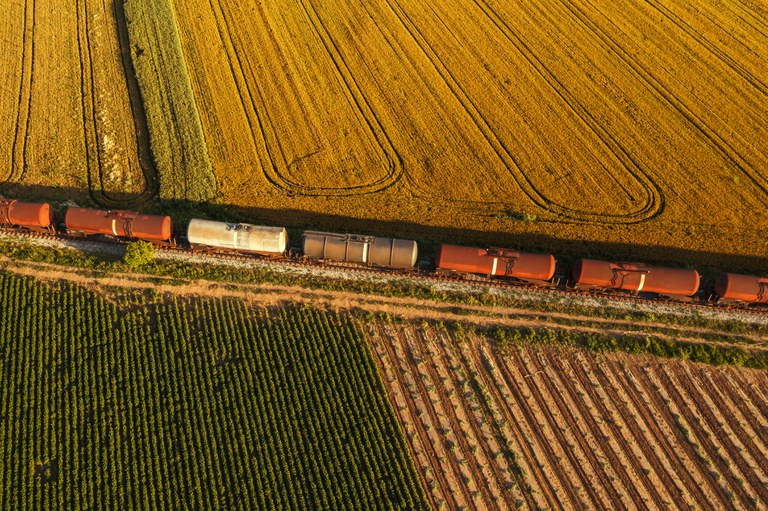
(744, 288)
(238, 236)
(636, 277)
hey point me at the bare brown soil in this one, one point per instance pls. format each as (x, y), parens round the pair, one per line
(547, 428)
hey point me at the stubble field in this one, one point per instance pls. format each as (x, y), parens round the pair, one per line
(545, 428)
(66, 117)
(623, 122)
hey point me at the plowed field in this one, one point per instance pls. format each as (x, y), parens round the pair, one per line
(623, 122)
(66, 116)
(563, 429)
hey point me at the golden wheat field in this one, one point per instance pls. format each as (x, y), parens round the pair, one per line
(618, 121)
(65, 111)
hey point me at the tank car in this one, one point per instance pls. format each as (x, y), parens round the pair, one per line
(501, 262)
(126, 224)
(239, 237)
(741, 288)
(30, 215)
(356, 248)
(636, 277)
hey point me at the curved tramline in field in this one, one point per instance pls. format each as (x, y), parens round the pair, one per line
(69, 121)
(339, 147)
(617, 191)
(14, 108)
(558, 428)
(611, 122)
(615, 25)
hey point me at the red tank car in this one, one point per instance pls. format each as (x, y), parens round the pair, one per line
(744, 288)
(128, 224)
(26, 214)
(636, 277)
(495, 261)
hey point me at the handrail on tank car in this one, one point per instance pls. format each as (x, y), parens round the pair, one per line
(626, 269)
(343, 236)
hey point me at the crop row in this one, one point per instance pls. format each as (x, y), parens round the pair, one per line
(134, 400)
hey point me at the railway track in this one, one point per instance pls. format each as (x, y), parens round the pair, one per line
(417, 275)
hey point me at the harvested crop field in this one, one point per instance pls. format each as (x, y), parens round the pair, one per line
(621, 122)
(554, 428)
(66, 117)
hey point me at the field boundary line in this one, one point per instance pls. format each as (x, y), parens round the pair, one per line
(388, 341)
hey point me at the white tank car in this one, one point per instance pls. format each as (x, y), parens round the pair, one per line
(241, 237)
(358, 248)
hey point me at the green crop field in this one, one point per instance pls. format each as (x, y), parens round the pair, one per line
(133, 400)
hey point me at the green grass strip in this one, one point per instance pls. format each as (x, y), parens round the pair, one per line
(175, 131)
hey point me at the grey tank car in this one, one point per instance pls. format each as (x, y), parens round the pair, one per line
(250, 238)
(355, 248)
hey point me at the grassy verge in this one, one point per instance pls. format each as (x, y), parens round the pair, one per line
(634, 343)
(546, 306)
(175, 131)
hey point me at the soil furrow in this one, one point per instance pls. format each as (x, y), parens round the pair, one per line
(532, 460)
(744, 478)
(658, 434)
(622, 420)
(397, 387)
(614, 446)
(395, 350)
(551, 450)
(741, 428)
(447, 410)
(574, 423)
(475, 412)
(495, 406)
(498, 481)
(563, 436)
(752, 413)
(683, 428)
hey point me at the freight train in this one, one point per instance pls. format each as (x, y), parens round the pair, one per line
(395, 254)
